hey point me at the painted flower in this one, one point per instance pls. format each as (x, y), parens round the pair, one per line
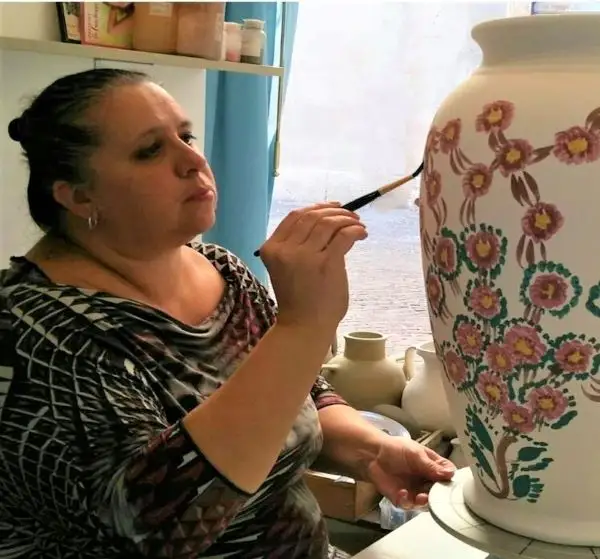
(574, 356)
(477, 181)
(518, 417)
(547, 402)
(549, 291)
(433, 186)
(469, 338)
(435, 290)
(514, 156)
(446, 255)
(499, 358)
(576, 145)
(542, 221)
(525, 344)
(455, 367)
(492, 389)
(495, 116)
(432, 144)
(483, 249)
(450, 136)
(485, 301)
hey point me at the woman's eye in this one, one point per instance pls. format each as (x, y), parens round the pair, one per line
(188, 138)
(149, 152)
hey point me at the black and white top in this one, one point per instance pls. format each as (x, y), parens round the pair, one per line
(94, 460)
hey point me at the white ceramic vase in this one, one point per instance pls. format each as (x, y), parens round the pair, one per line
(509, 220)
(364, 375)
(424, 397)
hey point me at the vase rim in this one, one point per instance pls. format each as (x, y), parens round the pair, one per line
(537, 21)
(364, 335)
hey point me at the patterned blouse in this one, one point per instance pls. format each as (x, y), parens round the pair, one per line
(94, 460)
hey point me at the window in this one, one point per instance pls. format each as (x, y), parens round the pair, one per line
(365, 83)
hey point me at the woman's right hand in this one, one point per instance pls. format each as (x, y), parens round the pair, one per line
(305, 258)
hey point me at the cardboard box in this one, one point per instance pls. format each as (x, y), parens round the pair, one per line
(342, 497)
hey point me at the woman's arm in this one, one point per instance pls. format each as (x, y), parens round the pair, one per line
(350, 442)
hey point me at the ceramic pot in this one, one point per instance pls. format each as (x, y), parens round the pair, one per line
(424, 397)
(364, 376)
(509, 217)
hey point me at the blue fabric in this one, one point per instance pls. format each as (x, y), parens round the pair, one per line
(239, 136)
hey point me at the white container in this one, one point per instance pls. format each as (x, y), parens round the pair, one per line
(253, 41)
(233, 41)
(509, 226)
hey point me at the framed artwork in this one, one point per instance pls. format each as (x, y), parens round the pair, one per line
(68, 21)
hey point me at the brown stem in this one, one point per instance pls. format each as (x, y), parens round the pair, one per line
(501, 467)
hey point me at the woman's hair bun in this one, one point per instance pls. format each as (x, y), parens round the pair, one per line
(15, 129)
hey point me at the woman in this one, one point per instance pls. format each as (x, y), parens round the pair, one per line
(153, 402)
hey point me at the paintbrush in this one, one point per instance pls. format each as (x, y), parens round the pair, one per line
(365, 199)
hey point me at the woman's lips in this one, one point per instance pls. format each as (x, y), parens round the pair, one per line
(201, 194)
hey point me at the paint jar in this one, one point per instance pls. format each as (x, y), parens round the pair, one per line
(200, 29)
(253, 41)
(155, 27)
(233, 41)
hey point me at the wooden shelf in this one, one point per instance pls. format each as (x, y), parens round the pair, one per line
(123, 55)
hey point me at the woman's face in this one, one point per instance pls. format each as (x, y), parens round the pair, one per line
(151, 186)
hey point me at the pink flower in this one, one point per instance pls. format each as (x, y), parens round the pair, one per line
(433, 186)
(445, 256)
(485, 301)
(576, 145)
(492, 389)
(574, 356)
(518, 417)
(542, 221)
(495, 116)
(548, 291)
(469, 338)
(455, 367)
(483, 248)
(432, 144)
(450, 136)
(434, 290)
(547, 402)
(477, 181)
(499, 358)
(514, 156)
(525, 345)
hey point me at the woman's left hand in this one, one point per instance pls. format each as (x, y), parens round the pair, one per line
(404, 471)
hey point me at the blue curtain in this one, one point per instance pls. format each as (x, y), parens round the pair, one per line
(239, 136)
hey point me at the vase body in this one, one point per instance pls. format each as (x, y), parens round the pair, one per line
(363, 375)
(509, 220)
(424, 397)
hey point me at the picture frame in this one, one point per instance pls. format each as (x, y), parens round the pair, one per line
(68, 21)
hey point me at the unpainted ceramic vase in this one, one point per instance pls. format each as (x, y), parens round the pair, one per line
(364, 376)
(509, 220)
(424, 397)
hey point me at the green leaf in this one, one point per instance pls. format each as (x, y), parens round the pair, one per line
(482, 461)
(480, 431)
(529, 454)
(564, 420)
(521, 486)
(538, 466)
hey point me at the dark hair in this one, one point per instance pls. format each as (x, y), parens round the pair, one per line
(56, 139)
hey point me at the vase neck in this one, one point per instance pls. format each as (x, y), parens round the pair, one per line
(364, 346)
(539, 40)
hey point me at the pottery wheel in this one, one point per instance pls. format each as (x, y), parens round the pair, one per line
(447, 507)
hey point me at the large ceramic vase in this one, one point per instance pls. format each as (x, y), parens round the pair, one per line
(510, 229)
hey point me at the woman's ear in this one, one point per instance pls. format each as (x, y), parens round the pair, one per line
(75, 200)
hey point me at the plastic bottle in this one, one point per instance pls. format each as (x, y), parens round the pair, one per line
(233, 41)
(253, 41)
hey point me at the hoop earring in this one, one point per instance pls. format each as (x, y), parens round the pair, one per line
(92, 220)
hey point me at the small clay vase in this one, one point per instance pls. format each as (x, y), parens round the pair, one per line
(364, 376)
